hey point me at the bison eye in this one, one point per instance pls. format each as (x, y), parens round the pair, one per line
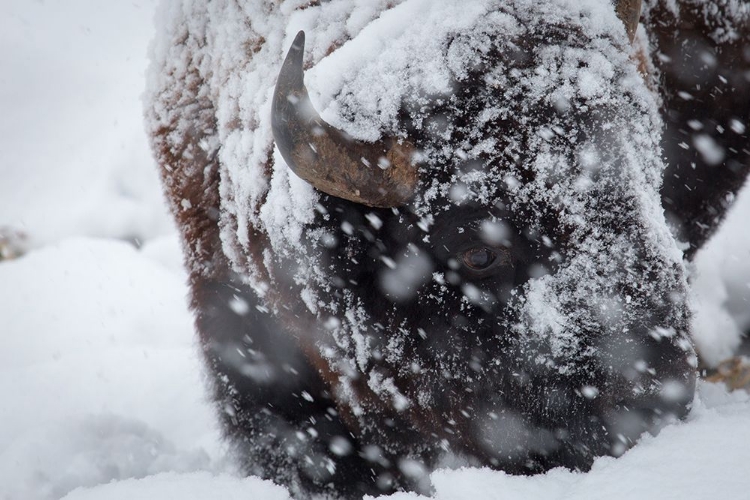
(478, 259)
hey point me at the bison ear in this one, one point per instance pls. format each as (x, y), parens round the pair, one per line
(629, 12)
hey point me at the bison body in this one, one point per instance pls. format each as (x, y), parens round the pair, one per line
(472, 264)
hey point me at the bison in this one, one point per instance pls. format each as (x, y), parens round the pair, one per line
(480, 256)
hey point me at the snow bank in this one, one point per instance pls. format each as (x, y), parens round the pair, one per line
(99, 376)
(701, 458)
(722, 286)
(102, 398)
(196, 486)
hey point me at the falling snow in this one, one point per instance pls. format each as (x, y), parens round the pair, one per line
(100, 381)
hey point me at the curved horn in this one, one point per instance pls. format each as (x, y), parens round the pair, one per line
(629, 12)
(379, 174)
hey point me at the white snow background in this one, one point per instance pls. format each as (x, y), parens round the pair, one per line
(101, 390)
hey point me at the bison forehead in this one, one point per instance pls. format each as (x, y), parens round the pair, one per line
(500, 93)
(362, 85)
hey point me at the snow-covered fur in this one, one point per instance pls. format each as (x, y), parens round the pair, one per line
(527, 309)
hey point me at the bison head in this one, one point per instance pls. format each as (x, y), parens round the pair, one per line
(493, 279)
(471, 264)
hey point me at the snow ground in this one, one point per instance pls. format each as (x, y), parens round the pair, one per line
(100, 383)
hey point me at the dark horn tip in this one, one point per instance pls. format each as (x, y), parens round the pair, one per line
(296, 52)
(299, 41)
(291, 74)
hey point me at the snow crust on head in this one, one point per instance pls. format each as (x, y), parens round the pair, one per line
(384, 60)
(584, 144)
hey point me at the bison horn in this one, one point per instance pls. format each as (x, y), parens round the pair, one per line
(629, 12)
(379, 174)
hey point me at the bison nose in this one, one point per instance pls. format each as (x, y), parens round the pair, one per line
(630, 418)
(648, 395)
